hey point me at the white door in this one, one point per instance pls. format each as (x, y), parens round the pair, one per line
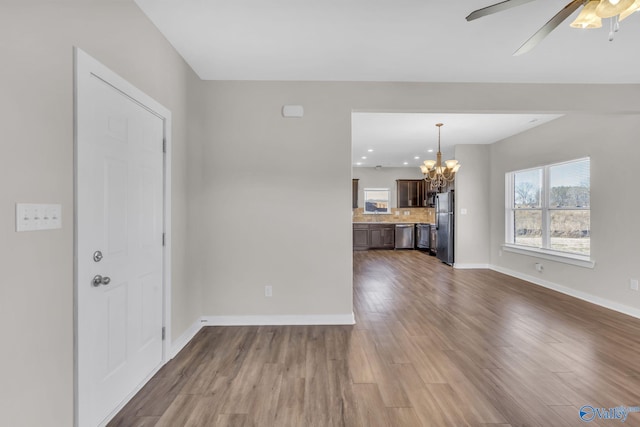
(119, 242)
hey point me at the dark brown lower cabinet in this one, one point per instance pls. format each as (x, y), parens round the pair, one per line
(361, 237)
(381, 236)
(373, 236)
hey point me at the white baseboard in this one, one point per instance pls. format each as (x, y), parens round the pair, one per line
(274, 320)
(603, 302)
(316, 319)
(469, 266)
(184, 339)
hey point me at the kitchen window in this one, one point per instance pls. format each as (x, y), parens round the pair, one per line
(377, 201)
(548, 210)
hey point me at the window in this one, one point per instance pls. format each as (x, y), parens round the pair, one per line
(548, 208)
(376, 201)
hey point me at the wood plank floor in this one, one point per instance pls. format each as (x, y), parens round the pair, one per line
(432, 346)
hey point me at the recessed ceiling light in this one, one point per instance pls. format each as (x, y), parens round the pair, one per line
(430, 151)
(370, 150)
(358, 164)
(364, 157)
(416, 157)
(405, 163)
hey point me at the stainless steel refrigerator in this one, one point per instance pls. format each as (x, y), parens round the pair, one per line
(444, 226)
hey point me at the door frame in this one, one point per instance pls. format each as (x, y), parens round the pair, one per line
(84, 65)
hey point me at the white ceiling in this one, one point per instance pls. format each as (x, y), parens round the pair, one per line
(390, 40)
(396, 138)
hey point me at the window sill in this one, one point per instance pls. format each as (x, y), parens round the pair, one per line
(578, 260)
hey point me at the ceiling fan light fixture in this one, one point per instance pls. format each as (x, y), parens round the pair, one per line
(609, 9)
(633, 8)
(588, 17)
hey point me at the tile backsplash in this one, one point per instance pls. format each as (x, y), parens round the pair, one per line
(416, 215)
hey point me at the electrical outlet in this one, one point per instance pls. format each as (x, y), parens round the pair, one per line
(268, 291)
(539, 267)
(633, 284)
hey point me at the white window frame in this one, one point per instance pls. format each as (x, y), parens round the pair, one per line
(378, 190)
(544, 251)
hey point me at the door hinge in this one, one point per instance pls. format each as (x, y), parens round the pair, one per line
(164, 145)
(164, 330)
(162, 239)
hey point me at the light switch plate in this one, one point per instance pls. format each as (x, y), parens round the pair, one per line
(34, 217)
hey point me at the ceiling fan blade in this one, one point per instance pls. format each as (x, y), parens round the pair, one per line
(498, 7)
(549, 26)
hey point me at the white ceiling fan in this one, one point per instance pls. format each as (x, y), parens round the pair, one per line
(590, 17)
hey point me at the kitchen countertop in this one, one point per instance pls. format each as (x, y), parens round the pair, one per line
(383, 223)
(392, 223)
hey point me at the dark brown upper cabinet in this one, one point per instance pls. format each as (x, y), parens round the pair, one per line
(410, 193)
(354, 193)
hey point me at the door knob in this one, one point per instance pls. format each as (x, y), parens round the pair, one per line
(99, 280)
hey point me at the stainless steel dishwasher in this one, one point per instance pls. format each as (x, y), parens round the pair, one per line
(422, 236)
(404, 236)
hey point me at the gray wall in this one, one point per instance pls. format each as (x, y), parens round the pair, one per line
(276, 201)
(257, 199)
(36, 165)
(472, 231)
(289, 183)
(383, 178)
(611, 142)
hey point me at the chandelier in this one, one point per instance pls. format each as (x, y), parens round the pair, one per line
(437, 174)
(594, 10)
